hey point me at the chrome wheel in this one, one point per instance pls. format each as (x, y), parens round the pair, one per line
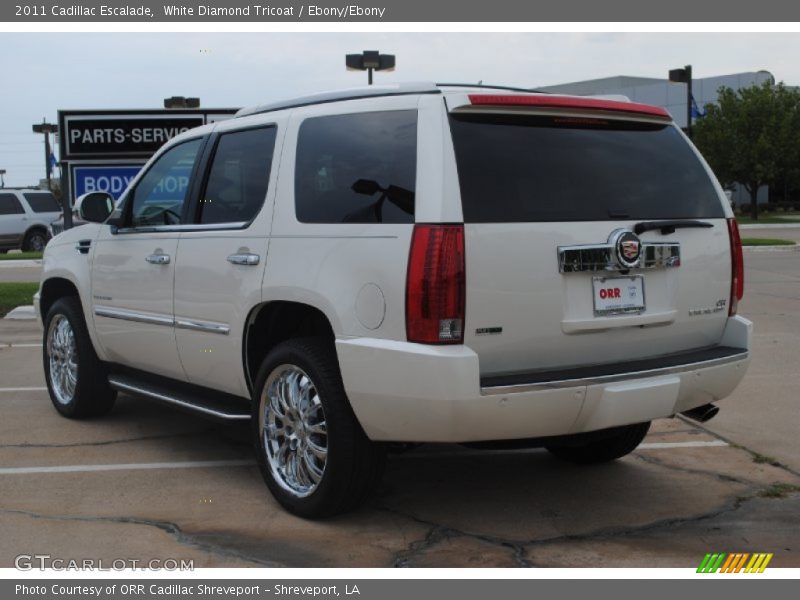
(293, 430)
(37, 242)
(62, 359)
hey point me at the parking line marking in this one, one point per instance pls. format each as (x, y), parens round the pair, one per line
(23, 389)
(23, 345)
(126, 467)
(660, 445)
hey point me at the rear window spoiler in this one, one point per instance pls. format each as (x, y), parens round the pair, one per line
(550, 101)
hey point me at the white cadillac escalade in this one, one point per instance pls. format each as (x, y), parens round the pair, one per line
(413, 263)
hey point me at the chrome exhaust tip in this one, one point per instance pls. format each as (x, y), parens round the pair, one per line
(701, 414)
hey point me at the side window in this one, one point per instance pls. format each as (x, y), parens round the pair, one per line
(42, 202)
(239, 175)
(159, 196)
(357, 168)
(9, 205)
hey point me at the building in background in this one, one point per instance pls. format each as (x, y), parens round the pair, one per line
(672, 96)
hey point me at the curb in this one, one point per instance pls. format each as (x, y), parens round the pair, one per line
(22, 313)
(784, 248)
(770, 226)
(23, 262)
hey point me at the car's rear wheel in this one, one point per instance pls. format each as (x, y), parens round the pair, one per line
(313, 454)
(35, 241)
(76, 378)
(619, 442)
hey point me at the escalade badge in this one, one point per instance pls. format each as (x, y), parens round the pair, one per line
(627, 248)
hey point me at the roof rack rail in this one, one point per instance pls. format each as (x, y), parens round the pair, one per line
(492, 87)
(375, 91)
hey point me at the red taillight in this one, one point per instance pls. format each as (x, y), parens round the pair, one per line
(737, 266)
(435, 288)
(568, 102)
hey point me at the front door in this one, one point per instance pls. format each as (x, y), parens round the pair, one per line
(133, 272)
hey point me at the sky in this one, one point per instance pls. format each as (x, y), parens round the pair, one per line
(45, 72)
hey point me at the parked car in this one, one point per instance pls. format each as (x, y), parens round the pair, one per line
(57, 226)
(25, 215)
(412, 263)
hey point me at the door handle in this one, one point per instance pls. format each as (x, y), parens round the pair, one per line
(158, 259)
(249, 260)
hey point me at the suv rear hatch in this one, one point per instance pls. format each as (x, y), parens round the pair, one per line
(553, 189)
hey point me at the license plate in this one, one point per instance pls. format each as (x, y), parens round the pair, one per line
(618, 295)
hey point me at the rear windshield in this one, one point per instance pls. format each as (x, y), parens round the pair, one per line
(515, 168)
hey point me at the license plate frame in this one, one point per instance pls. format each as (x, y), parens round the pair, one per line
(631, 299)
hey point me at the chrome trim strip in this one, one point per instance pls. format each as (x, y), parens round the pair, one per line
(600, 257)
(126, 387)
(204, 326)
(184, 227)
(566, 383)
(130, 315)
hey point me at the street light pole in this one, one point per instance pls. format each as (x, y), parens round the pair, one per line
(684, 75)
(46, 128)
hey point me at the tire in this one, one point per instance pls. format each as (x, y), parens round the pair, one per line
(288, 435)
(77, 380)
(35, 241)
(620, 442)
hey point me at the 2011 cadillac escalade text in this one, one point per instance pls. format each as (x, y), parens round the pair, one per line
(79, 10)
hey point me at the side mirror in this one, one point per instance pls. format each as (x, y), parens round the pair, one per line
(94, 207)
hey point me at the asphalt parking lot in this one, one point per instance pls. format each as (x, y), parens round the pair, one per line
(149, 482)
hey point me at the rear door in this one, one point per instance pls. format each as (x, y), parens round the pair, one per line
(12, 220)
(562, 267)
(221, 260)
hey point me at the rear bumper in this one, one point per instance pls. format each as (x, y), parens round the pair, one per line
(415, 393)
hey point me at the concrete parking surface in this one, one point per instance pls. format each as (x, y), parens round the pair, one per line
(148, 482)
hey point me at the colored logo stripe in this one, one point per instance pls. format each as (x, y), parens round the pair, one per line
(734, 563)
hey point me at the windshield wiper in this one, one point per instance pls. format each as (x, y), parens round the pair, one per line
(667, 227)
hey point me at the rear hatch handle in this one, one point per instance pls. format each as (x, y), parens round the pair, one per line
(667, 227)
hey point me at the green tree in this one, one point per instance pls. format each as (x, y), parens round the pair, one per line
(752, 136)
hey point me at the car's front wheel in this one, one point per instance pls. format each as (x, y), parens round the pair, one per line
(618, 442)
(76, 378)
(313, 454)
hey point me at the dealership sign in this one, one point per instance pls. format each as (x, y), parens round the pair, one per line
(126, 135)
(104, 150)
(103, 178)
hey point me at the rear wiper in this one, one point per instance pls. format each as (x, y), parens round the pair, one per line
(667, 227)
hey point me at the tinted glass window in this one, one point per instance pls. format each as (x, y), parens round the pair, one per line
(42, 202)
(159, 196)
(358, 168)
(523, 169)
(9, 205)
(239, 175)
